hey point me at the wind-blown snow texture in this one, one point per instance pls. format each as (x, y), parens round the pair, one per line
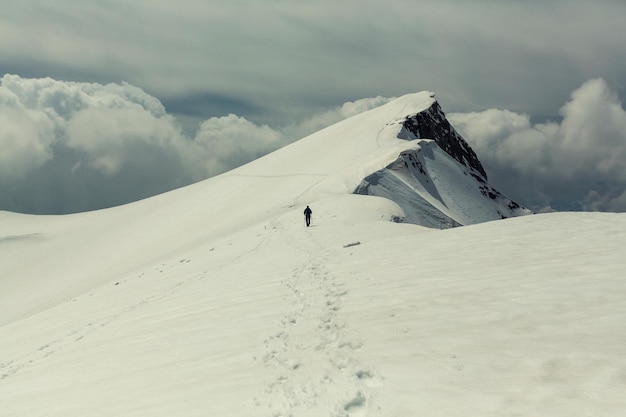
(215, 299)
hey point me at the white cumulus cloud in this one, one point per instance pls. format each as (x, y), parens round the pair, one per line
(24, 140)
(69, 146)
(575, 163)
(226, 142)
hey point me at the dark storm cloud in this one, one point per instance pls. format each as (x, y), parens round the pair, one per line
(202, 104)
(292, 57)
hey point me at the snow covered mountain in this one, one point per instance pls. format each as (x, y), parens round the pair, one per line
(440, 183)
(215, 299)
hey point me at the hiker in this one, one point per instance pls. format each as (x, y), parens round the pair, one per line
(307, 215)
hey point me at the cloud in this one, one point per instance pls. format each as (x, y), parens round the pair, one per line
(229, 141)
(223, 143)
(518, 55)
(70, 147)
(23, 138)
(318, 121)
(110, 138)
(576, 163)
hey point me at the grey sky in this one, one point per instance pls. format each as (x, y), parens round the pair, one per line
(283, 68)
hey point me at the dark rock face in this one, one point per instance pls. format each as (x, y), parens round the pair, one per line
(432, 124)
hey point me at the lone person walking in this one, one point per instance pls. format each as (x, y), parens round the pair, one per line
(307, 215)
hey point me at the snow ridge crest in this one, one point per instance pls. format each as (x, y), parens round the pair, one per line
(441, 183)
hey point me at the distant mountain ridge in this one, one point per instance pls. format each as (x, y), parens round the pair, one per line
(415, 181)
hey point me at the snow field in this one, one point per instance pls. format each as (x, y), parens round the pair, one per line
(215, 299)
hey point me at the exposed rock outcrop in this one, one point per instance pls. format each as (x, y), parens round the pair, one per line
(432, 124)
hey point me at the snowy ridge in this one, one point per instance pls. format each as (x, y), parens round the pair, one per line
(440, 183)
(455, 196)
(215, 299)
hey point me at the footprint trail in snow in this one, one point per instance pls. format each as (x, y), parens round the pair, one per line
(313, 364)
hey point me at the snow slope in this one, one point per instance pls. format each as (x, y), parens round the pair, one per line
(214, 299)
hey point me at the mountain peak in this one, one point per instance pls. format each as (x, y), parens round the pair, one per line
(440, 183)
(431, 123)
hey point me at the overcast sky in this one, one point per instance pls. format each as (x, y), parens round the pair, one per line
(103, 102)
